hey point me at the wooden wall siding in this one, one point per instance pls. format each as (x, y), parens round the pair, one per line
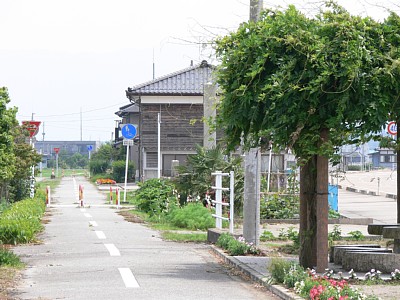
(177, 132)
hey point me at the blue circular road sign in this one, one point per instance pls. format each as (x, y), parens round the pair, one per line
(89, 147)
(128, 131)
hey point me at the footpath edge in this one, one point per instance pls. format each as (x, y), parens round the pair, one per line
(255, 276)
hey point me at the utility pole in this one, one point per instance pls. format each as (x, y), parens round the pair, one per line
(251, 206)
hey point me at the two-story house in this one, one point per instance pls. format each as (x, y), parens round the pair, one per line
(169, 114)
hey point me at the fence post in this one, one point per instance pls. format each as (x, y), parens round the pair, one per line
(231, 200)
(111, 195)
(117, 197)
(218, 199)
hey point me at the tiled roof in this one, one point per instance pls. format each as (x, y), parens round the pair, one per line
(188, 81)
(126, 109)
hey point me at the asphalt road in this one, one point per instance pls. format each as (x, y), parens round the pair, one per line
(93, 253)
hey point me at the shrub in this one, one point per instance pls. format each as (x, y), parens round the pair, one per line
(356, 235)
(277, 206)
(155, 196)
(236, 246)
(118, 170)
(336, 234)
(267, 236)
(223, 240)
(192, 216)
(278, 268)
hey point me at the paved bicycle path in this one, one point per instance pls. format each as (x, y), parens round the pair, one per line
(93, 253)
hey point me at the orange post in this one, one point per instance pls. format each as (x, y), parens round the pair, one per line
(116, 197)
(81, 195)
(111, 195)
(47, 195)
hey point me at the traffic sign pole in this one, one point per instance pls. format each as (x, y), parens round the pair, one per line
(126, 170)
(128, 131)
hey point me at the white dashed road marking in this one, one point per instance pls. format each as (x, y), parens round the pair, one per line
(87, 215)
(83, 209)
(93, 223)
(112, 249)
(100, 235)
(128, 278)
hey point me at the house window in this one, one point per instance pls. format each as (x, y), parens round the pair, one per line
(151, 160)
(388, 158)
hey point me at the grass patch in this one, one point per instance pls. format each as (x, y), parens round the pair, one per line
(184, 237)
(9, 259)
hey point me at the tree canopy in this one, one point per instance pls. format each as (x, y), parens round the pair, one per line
(16, 156)
(287, 76)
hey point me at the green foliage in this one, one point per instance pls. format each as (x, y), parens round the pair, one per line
(267, 236)
(235, 246)
(287, 77)
(192, 216)
(333, 214)
(195, 177)
(356, 235)
(22, 220)
(295, 274)
(278, 268)
(76, 161)
(336, 234)
(155, 196)
(185, 237)
(101, 160)
(118, 170)
(279, 206)
(7, 258)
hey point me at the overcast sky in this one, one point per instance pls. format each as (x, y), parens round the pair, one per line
(58, 57)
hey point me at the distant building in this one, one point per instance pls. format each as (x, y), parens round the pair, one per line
(47, 148)
(384, 158)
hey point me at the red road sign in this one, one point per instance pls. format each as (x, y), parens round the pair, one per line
(392, 128)
(32, 126)
(56, 150)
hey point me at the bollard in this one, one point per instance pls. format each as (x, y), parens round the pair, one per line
(81, 195)
(116, 197)
(111, 198)
(48, 199)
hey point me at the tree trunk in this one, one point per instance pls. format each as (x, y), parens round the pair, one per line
(314, 211)
(308, 220)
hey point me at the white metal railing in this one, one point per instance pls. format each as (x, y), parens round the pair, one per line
(218, 199)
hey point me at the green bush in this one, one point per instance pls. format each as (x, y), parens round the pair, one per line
(21, 221)
(278, 268)
(235, 246)
(8, 258)
(118, 170)
(155, 197)
(192, 216)
(277, 206)
(223, 240)
(267, 236)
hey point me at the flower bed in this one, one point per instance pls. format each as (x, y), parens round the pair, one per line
(105, 181)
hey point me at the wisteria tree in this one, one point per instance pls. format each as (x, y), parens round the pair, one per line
(311, 84)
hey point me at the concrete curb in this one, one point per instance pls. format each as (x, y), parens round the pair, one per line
(255, 276)
(367, 192)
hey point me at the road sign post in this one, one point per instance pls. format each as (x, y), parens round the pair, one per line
(56, 150)
(128, 131)
(33, 128)
(89, 148)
